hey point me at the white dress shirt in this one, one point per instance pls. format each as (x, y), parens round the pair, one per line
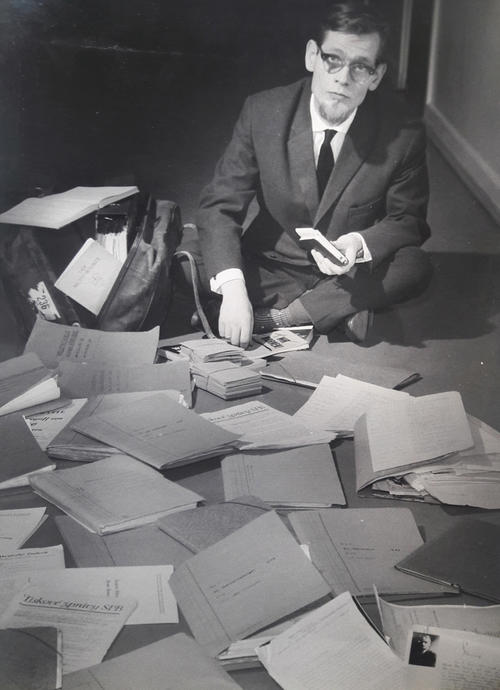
(319, 124)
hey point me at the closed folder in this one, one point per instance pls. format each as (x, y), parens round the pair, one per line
(466, 557)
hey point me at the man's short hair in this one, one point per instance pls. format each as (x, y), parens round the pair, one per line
(354, 17)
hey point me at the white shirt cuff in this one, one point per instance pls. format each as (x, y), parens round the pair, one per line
(366, 255)
(224, 277)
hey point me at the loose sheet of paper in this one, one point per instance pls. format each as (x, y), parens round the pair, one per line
(220, 590)
(263, 427)
(46, 425)
(17, 525)
(147, 584)
(338, 402)
(17, 568)
(89, 624)
(89, 276)
(398, 620)
(414, 430)
(332, 647)
(54, 342)
(84, 380)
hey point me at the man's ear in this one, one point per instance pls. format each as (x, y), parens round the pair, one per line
(380, 71)
(311, 53)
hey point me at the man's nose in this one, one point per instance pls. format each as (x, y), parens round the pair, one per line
(343, 76)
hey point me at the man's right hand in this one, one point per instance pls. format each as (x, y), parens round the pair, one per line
(236, 313)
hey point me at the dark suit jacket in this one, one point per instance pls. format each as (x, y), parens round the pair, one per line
(378, 187)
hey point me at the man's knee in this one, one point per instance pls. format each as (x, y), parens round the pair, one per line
(417, 268)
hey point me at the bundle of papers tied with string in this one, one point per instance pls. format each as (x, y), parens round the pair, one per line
(227, 380)
(211, 350)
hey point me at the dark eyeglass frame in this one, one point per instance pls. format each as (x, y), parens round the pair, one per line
(365, 73)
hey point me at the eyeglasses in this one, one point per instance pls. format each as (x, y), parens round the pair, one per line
(360, 72)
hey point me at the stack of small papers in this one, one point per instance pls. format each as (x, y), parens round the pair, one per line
(211, 350)
(227, 380)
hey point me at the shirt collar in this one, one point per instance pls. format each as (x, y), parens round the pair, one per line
(319, 124)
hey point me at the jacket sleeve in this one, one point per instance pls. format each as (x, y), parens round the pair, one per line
(225, 200)
(403, 222)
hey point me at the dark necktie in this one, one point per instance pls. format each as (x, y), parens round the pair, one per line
(325, 161)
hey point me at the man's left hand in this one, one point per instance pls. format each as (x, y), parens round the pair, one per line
(349, 245)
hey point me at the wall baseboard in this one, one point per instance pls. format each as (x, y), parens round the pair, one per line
(477, 174)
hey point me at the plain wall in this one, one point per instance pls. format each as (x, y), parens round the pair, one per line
(463, 103)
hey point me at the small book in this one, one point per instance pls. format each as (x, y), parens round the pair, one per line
(31, 658)
(25, 382)
(466, 557)
(114, 494)
(227, 380)
(173, 662)
(89, 276)
(22, 457)
(294, 478)
(314, 239)
(211, 350)
(276, 343)
(57, 210)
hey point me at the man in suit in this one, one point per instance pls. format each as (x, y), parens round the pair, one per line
(324, 152)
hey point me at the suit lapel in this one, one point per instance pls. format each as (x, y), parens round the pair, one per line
(301, 153)
(356, 147)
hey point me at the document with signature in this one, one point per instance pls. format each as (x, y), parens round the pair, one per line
(332, 647)
(221, 590)
(357, 548)
(53, 342)
(147, 584)
(338, 402)
(262, 427)
(176, 662)
(158, 431)
(89, 624)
